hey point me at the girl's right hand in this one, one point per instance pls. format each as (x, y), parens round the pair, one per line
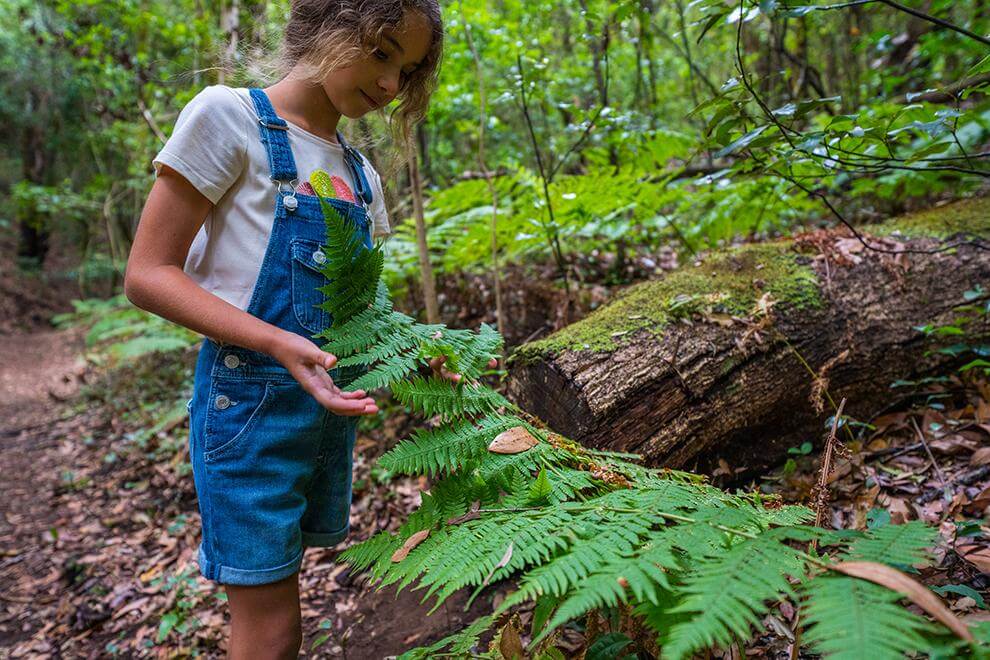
(308, 364)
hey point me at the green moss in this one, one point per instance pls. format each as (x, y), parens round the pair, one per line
(967, 216)
(729, 283)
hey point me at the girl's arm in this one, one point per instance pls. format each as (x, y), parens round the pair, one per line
(155, 281)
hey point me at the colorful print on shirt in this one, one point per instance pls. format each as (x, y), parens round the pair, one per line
(340, 188)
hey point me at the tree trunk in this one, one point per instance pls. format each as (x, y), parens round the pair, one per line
(425, 268)
(671, 371)
(37, 163)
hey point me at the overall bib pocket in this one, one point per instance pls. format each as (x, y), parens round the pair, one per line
(307, 258)
(233, 410)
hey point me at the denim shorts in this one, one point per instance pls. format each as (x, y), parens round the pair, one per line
(272, 467)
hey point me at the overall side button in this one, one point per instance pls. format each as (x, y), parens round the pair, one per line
(231, 361)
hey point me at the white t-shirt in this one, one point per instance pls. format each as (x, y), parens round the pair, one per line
(216, 146)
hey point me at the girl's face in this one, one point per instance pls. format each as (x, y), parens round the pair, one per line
(374, 80)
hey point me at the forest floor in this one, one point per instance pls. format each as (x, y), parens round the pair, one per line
(99, 523)
(98, 535)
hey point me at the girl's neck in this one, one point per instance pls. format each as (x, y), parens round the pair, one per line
(306, 105)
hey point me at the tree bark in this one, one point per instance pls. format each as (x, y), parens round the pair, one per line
(425, 268)
(829, 320)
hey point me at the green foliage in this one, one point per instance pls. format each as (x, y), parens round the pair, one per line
(118, 331)
(851, 619)
(903, 545)
(699, 565)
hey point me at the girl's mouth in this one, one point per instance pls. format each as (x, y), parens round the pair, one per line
(370, 101)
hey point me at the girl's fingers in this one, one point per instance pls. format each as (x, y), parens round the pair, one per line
(492, 363)
(340, 406)
(356, 394)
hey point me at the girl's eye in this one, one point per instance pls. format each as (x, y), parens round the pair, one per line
(381, 54)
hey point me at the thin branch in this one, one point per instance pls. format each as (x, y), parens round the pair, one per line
(744, 77)
(931, 457)
(937, 21)
(551, 229)
(152, 124)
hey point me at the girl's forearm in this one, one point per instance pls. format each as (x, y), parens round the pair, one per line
(169, 292)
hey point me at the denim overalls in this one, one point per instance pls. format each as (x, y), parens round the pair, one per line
(272, 467)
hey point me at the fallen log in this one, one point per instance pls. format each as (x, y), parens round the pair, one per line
(737, 358)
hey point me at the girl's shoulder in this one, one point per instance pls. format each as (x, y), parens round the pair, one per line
(221, 101)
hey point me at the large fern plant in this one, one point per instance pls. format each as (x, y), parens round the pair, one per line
(586, 530)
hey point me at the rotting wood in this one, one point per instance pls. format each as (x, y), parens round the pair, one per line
(684, 388)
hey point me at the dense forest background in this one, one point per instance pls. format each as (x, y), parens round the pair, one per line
(572, 148)
(622, 127)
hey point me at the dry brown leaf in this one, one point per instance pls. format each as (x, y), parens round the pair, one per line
(509, 644)
(951, 445)
(983, 411)
(979, 502)
(410, 543)
(980, 457)
(900, 512)
(918, 593)
(505, 560)
(514, 441)
(977, 555)
(471, 514)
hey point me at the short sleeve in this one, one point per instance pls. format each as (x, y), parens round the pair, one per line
(209, 143)
(378, 211)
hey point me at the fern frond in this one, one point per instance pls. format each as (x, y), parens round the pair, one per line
(398, 342)
(725, 593)
(495, 466)
(895, 544)
(852, 619)
(566, 483)
(588, 543)
(447, 447)
(349, 295)
(362, 555)
(386, 373)
(349, 339)
(531, 538)
(462, 643)
(437, 396)
(643, 574)
(788, 515)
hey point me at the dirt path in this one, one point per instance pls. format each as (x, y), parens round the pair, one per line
(36, 370)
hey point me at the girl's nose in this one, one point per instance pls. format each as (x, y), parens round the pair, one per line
(389, 84)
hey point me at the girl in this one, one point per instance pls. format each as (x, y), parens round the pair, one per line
(229, 245)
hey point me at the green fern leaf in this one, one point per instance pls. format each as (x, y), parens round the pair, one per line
(437, 396)
(447, 447)
(895, 544)
(386, 373)
(462, 643)
(726, 593)
(851, 619)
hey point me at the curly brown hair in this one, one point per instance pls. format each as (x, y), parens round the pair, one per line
(324, 35)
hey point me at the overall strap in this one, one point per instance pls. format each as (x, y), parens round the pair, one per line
(275, 136)
(355, 164)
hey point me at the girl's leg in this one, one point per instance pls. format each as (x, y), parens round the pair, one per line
(265, 621)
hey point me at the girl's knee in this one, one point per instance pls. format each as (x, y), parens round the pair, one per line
(273, 638)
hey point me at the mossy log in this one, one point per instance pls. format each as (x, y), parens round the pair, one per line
(735, 358)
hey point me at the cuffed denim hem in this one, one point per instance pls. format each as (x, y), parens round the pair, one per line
(324, 539)
(241, 577)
